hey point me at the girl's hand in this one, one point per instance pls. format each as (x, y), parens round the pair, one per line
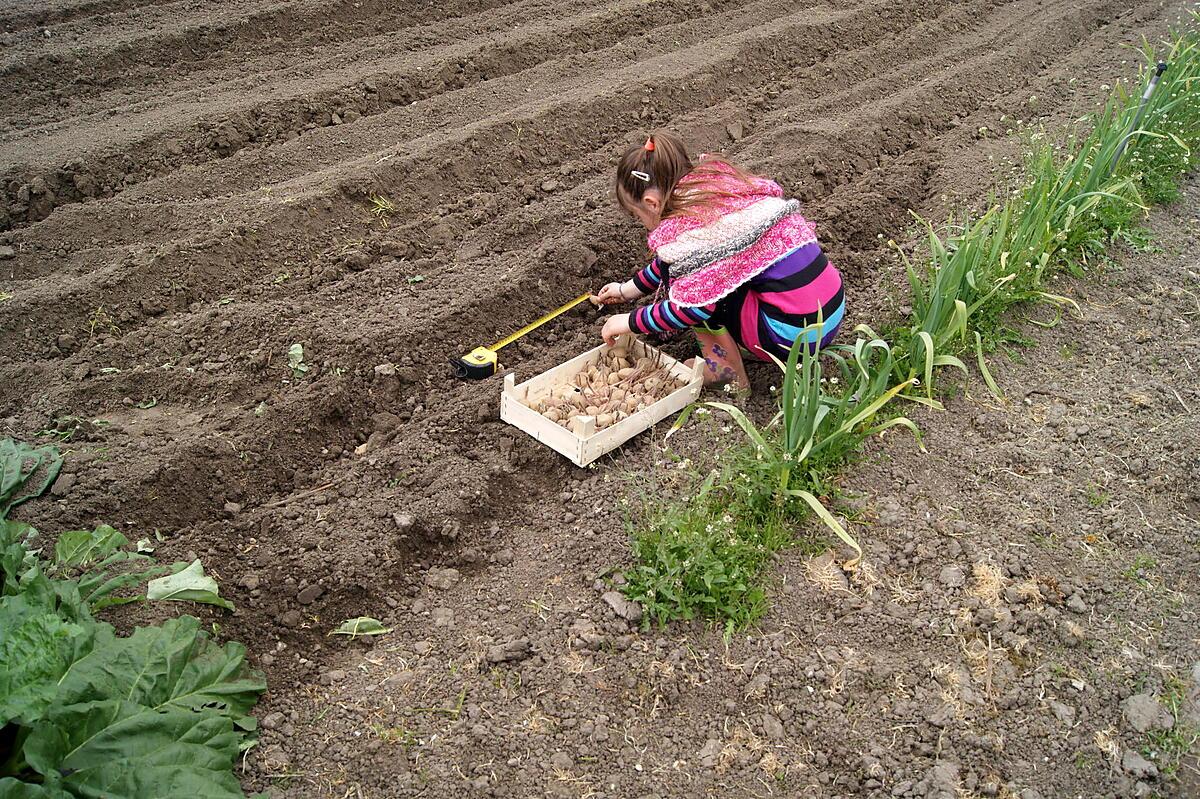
(609, 295)
(615, 327)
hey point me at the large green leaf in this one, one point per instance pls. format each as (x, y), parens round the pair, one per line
(115, 749)
(15, 558)
(84, 547)
(189, 585)
(11, 788)
(36, 589)
(34, 654)
(38, 645)
(171, 666)
(43, 629)
(18, 464)
(92, 553)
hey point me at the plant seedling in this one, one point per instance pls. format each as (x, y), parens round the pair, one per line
(295, 359)
(102, 322)
(1139, 571)
(395, 735)
(1097, 498)
(1168, 748)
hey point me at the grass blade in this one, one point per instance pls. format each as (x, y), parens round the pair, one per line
(983, 370)
(824, 515)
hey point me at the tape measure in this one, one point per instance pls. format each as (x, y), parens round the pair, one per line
(482, 362)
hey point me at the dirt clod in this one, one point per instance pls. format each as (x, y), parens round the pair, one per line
(773, 727)
(1144, 713)
(332, 676)
(290, 619)
(510, 651)
(630, 611)
(952, 576)
(442, 579)
(310, 594)
(709, 753)
(1136, 766)
(62, 484)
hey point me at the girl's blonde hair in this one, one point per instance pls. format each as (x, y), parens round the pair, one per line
(660, 164)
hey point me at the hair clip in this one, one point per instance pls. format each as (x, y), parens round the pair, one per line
(649, 146)
(642, 176)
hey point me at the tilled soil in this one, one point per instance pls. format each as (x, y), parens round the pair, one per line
(187, 191)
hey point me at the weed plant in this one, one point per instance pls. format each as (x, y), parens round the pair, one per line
(704, 557)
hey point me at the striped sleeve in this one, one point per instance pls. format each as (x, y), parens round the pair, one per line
(666, 315)
(649, 278)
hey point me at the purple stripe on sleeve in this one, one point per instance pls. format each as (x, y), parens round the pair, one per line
(649, 278)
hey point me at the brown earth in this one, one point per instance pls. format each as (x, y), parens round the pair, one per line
(187, 192)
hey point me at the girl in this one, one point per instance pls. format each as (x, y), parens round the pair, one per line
(737, 262)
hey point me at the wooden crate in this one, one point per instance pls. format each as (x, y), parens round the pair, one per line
(516, 399)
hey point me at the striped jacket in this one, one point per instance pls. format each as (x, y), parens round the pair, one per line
(749, 262)
(767, 314)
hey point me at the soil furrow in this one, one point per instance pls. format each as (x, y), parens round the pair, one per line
(136, 46)
(38, 181)
(524, 279)
(18, 16)
(885, 192)
(179, 513)
(495, 148)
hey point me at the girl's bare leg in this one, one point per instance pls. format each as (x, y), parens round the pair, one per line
(722, 360)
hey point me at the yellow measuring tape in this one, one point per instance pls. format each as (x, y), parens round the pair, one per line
(481, 362)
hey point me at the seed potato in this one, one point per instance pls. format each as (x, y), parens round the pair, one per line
(610, 389)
